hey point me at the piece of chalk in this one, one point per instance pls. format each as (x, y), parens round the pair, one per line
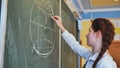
(56, 18)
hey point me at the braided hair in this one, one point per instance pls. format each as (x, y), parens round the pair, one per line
(107, 30)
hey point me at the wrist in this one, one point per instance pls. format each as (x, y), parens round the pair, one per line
(62, 29)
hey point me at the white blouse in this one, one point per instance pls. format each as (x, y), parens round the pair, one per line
(105, 62)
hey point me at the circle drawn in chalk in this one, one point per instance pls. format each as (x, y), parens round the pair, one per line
(43, 47)
(42, 43)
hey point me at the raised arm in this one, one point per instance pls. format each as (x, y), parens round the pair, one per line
(58, 21)
(70, 39)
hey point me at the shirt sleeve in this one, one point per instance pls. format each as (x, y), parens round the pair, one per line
(75, 46)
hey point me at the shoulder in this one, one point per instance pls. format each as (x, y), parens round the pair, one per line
(106, 62)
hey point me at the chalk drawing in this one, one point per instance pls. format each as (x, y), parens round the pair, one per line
(20, 26)
(42, 46)
(43, 49)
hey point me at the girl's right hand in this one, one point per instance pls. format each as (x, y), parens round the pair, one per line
(58, 21)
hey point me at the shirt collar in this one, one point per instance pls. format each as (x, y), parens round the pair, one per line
(93, 56)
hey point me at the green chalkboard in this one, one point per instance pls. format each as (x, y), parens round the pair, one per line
(31, 36)
(69, 59)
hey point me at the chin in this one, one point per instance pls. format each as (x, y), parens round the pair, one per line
(89, 44)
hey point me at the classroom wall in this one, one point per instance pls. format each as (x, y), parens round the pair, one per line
(85, 28)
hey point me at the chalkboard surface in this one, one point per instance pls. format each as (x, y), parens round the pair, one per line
(32, 37)
(68, 57)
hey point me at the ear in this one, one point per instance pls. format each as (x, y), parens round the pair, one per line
(99, 34)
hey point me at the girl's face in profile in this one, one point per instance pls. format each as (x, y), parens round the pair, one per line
(91, 37)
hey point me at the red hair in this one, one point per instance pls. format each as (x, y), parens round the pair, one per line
(107, 30)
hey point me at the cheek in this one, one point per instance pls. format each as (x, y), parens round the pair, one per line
(91, 39)
(90, 36)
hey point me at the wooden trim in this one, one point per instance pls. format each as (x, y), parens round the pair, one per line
(114, 51)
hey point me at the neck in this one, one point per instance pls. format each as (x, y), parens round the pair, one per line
(97, 47)
(96, 50)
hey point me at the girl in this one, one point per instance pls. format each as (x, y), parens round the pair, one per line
(99, 38)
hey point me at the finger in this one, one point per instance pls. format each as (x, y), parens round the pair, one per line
(55, 18)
